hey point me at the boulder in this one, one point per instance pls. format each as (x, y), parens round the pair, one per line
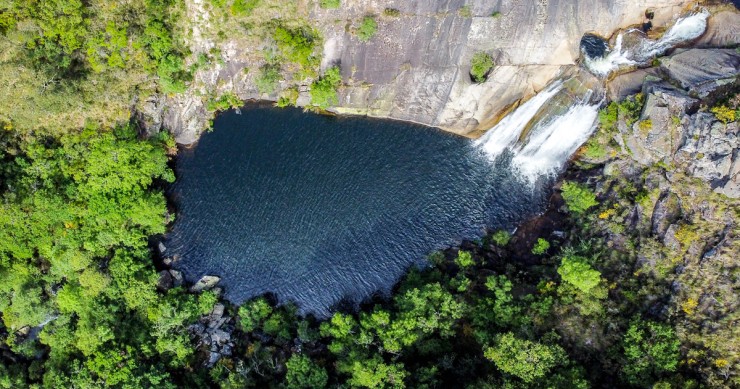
(628, 84)
(702, 71)
(205, 283)
(666, 212)
(722, 30)
(710, 152)
(165, 281)
(177, 277)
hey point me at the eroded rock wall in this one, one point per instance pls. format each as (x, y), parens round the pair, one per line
(416, 67)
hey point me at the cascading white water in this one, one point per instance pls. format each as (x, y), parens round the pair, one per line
(555, 141)
(641, 53)
(550, 141)
(616, 58)
(506, 133)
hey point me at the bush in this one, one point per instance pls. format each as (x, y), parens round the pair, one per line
(576, 271)
(651, 349)
(297, 45)
(392, 12)
(540, 247)
(577, 197)
(480, 66)
(288, 97)
(330, 3)
(465, 11)
(501, 238)
(464, 259)
(324, 90)
(244, 7)
(724, 114)
(367, 29)
(226, 101)
(267, 80)
(523, 358)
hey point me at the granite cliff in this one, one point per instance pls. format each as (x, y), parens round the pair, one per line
(416, 67)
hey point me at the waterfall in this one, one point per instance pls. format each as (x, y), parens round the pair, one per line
(642, 50)
(543, 132)
(506, 133)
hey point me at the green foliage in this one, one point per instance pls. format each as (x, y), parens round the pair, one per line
(253, 313)
(329, 4)
(465, 11)
(501, 238)
(297, 45)
(578, 198)
(324, 90)
(524, 359)
(288, 97)
(651, 349)
(464, 259)
(392, 12)
(480, 66)
(244, 7)
(303, 373)
(724, 114)
(540, 247)
(368, 28)
(268, 79)
(226, 101)
(576, 271)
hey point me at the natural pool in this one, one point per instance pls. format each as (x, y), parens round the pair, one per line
(319, 209)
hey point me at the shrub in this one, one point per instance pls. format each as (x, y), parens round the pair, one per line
(464, 259)
(392, 12)
(576, 271)
(324, 90)
(330, 4)
(523, 358)
(288, 97)
(540, 247)
(645, 126)
(267, 80)
(367, 29)
(465, 11)
(651, 349)
(244, 7)
(495, 14)
(501, 238)
(724, 114)
(226, 101)
(594, 149)
(297, 45)
(577, 197)
(480, 66)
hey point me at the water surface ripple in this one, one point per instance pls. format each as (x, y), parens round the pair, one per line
(317, 209)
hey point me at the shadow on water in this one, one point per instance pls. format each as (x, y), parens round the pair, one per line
(321, 210)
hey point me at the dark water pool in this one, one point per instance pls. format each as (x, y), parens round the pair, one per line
(317, 209)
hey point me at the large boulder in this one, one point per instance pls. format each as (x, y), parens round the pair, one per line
(205, 283)
(702, 71)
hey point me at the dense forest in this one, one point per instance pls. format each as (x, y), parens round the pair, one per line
(591, 294)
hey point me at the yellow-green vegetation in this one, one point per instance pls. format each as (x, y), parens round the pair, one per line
(465, 11)
(68, 62)
(368, 28)
(324, 90)
(288, 97)
(724, 114)
(77, 282)
(226, 101)
(541, 246)
(501, 238)
(577, 197)
(392, 12)
(480, 66)
(330, 3)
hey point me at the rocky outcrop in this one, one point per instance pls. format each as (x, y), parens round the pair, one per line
(671, 131)
(417, 66)
(701, 72)
(213, 333)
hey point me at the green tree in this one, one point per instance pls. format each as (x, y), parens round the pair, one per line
(651, 349)
(324, 90)
(368, 28)
(527, 360)
(578, 197)
(480, 65)
(302, 373)
(576, 271)
(464, 259)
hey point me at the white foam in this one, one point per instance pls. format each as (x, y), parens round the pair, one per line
(506, 133)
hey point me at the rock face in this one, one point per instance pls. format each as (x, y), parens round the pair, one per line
(703, 71)
(672, 132)
(417, 66)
